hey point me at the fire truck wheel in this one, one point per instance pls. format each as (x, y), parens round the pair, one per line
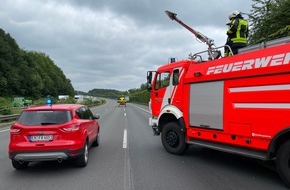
(173, 139)
(283, 162)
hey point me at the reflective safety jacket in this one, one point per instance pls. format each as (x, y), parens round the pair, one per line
(238, 32)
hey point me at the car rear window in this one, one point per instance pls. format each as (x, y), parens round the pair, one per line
(46, 117)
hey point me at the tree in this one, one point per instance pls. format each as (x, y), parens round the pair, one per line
(28, 73)
(107, 93)
(270, 19)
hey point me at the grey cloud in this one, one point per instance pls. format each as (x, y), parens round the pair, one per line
(112, 43)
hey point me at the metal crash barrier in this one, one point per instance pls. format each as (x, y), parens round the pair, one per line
(8, 117)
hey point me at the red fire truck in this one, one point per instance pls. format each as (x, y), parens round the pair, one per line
(238, 104)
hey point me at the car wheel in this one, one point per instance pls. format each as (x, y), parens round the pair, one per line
(173, 139)
(283, 162)
(97, 140)
(82, 160)
(19, 166)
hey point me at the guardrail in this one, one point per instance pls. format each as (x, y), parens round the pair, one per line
(8, 117)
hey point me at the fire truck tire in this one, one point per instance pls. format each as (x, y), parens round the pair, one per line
(173, 139)
(282, 162)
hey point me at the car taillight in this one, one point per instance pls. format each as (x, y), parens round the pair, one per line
(70, 128)
(15, 130)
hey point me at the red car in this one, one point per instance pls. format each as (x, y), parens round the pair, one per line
(53, 132)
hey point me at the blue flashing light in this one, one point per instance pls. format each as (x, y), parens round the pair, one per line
(172, 60)
(48, 101)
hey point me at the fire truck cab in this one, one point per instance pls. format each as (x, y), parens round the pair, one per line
(238, 104)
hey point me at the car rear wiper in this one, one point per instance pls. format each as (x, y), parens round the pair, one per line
(48, 123)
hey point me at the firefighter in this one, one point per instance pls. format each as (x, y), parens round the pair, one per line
(228, 44)
(238, 31)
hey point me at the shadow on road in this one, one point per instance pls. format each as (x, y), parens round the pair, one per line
(263, 170)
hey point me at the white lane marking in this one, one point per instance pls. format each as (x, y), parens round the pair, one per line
(125, 114)
(125, 139)
(141, 109)
(4, 130)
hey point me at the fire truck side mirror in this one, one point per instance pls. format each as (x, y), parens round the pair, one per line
(149, 77)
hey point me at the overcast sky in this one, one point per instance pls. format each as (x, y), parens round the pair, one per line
(113, 43)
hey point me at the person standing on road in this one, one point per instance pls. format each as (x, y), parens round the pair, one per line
(238, 31)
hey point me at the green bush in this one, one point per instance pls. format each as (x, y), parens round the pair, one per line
(140, 97)
(91, 103)
(5, 106)
(69, 100)
(5, 111)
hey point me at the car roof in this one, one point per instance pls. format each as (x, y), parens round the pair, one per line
(54, 107)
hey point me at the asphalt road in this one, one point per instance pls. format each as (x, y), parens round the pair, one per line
(131, 158)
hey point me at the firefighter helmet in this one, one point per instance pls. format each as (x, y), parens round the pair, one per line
(234, 14)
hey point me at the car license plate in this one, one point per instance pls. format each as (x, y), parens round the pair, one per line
(41, 138)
